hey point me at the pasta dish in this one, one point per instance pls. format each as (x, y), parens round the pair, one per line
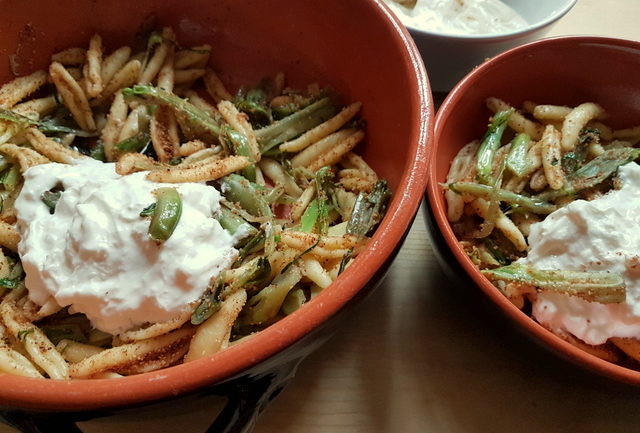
(152, 217)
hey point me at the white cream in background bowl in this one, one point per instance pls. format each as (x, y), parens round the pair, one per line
(449, 56)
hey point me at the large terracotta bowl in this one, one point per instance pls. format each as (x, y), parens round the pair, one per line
(565, 71)
(356, 46)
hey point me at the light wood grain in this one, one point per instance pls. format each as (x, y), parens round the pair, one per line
(420, 355)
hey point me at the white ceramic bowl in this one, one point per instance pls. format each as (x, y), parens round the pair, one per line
(450, 57)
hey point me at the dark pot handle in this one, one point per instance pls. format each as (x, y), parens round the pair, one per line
(248, 397)
(28, 422)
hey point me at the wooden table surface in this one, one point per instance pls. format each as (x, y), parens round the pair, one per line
(419, 356)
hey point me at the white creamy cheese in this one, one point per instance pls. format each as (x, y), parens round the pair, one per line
(465, 17)
(94, 252)
(598, 235)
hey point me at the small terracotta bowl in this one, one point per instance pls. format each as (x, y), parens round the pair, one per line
(565, 71)
(357, 47)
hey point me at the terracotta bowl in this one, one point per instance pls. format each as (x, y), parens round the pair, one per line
(565, 70)
(357, 47)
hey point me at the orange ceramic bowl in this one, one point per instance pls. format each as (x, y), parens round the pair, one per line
(565, 71)
(355, 46)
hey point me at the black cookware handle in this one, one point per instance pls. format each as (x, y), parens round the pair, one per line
(27, 422)
(247, 398)
(250, 396)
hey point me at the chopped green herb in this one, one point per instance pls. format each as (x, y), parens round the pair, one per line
(8, 283)
(345, 261)
(51, 199)
(23, 334)
(299, 256)
(149, 210)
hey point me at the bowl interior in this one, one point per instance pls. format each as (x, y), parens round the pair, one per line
(252, 39)
(555, 71)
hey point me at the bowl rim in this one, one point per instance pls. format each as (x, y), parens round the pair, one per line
(434, 193)
(529, 29)
(91, 394)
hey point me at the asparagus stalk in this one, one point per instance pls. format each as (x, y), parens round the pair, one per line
(517, 160)
(246, 194)
(309, 217)
(265, 305)
(294, 300)
(254, 244)
(11, 177)
(255, 103)
(232, 222)
(295, 124)
(490, 143)
(237, 144)
(257, 273)
(134, 143)
(46, 126)
(593, 172)
(197, 122)
(603, 287)
(209, 305)
(368, 209)
(532, 204)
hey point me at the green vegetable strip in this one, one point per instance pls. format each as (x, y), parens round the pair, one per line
(517, 160)
(495, 252)
(8, 283)
(166, 215)
(368, 209)
(248, 195)
(10, 177)
(134, 143)
(299, 256)
(293, 301)
(98, 152)
(309, 217)
(51, 199)
(69, 331)
(593, 172)
(257, 274)
(490, 144)
(4, 163)
(209, 305)
(532, 204)
(603, 287)
(324, 186)
(254, 244)
(198, 121)
(47, 126)
(237, 144)
(265, 305)
(149, 210)
(345, 261)
(295, 124)
(255, 104)
(232, 222)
